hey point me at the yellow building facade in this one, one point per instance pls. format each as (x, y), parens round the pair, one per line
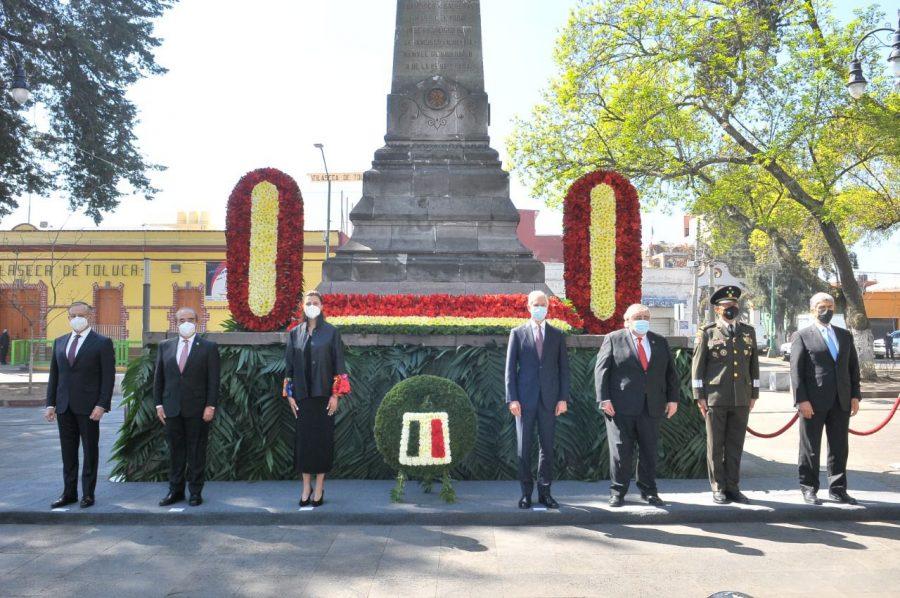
(43, 271)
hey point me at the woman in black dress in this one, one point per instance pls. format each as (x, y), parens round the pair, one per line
(314, 357)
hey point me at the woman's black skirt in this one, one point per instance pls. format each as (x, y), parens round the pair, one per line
(314, 440)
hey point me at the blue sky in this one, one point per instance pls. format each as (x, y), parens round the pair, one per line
(254, 84)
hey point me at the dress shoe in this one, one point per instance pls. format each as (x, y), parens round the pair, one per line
(616, 500)
(720, 498)
(810, 498)
(738, 496)
(653, 499)
(63, 501)
(320, 501)
(547, 500)
(304, 502)
(86, 501)
(196, 500)
(171, 498)
(525, 501)
(842, 496)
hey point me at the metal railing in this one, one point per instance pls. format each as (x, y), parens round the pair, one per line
(43, 349)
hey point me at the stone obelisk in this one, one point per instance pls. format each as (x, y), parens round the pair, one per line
(435, 215)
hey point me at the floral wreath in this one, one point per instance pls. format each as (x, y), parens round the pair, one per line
(602, 249)
(264, 249)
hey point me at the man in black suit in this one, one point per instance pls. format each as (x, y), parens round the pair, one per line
(537, 392)
(4, 346)
(79, 392)
(186, 389)
(825, 383)
(636, 385)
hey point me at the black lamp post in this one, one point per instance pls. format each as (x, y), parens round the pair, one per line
(856, 85)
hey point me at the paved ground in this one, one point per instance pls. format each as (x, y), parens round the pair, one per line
(836, 559)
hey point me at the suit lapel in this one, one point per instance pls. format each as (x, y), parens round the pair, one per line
(87, 342)
(192, 356)
(815, 338)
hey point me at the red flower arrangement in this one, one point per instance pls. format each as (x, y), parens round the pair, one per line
(577, 251)
(287, 247)
(494, 306)
(341, 385)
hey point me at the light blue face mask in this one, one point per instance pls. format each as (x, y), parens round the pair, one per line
(641, 326)
(538, 312)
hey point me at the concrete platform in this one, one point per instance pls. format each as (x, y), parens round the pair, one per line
(362, 502)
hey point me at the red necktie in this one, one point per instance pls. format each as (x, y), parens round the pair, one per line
(73, 348)
(184, 355)
(539, 342)
(642, 355)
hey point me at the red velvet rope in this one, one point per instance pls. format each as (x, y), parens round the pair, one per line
(787, 426)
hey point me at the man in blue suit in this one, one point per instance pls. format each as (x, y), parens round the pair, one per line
(636, 386)
(537, 392)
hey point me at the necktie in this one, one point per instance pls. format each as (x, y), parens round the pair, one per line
(642, 355)
(539, 342)
(832, 348)
(731, 330)
(73, 348)
(184, 355)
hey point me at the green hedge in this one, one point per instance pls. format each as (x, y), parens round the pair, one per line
(252, 435)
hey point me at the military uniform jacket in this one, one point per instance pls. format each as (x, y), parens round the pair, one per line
(725, 370)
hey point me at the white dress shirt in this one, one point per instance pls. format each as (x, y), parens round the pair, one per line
(542, 325)
(83, 335)
(643, 340)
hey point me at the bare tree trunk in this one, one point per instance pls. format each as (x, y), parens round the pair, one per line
(856, 317)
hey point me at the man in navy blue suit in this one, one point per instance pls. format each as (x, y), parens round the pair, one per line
(537, 392)
(79, 393)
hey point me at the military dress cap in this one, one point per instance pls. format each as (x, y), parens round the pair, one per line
(729, 293)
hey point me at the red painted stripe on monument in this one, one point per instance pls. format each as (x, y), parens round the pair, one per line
(438, 450)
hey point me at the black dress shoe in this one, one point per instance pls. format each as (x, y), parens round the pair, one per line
(87, 501)
(653, 499)
(720, 498)
(525, 502)
(616, 500)
(63, 501)
(548, 501)
(171, 498)
(320, 501)
(738, 496)
(196, 500)
(810, 498)
(304, 502)
(842, 497)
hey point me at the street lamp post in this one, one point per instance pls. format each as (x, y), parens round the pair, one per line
(321, 148)
(856, 85)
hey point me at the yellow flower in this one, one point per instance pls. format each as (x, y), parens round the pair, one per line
(262, 275)
(603, 251)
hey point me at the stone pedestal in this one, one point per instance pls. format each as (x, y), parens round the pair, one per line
(435, 216)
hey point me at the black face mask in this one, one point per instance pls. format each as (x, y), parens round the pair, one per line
(731, 312)
(825, 316)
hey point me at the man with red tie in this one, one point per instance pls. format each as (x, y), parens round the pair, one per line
(186, 388)
(79, 393)
(636, 385)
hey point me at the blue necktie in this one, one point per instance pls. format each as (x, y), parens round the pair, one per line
(832, 348)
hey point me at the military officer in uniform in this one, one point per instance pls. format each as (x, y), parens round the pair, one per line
(725, 379)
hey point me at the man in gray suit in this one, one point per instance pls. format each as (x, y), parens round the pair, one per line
(825, 383)
(636, 385)
(537, 392)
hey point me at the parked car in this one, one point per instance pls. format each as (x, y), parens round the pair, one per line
(786, 348)
(881, 349)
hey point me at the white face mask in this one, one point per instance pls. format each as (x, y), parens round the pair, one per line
(78, 323)
(187, 329)
(312, 311)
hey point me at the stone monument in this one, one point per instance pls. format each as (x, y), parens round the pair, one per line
(435, 215)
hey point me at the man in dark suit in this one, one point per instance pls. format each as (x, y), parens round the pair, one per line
(186, 389)
(79, 392)
(4, 346)
(825, 383)
(537, 392)
(636, 385)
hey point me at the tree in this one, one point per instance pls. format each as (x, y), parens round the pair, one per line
(79, 57)
(735, 109)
